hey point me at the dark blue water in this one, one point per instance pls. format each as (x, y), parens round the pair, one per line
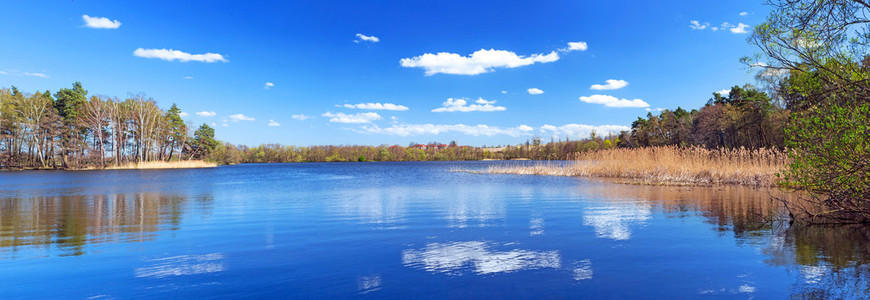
(408, 231)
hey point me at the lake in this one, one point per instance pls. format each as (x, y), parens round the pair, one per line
(405, 230)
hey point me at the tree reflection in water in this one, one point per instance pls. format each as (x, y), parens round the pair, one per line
(832, 261)
(71, 223)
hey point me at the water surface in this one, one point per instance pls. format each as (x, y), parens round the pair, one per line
(405, 230)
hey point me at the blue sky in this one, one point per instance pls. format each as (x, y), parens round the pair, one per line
(324, 71)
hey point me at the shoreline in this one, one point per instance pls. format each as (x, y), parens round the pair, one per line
(150, 165)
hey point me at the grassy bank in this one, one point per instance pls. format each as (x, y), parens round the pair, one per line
(192, 164)
(667, 166)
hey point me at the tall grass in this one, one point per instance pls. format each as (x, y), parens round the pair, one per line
(668, 165)
(184, 164)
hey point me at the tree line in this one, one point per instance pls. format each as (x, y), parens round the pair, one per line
(69, 130)
(744, 117)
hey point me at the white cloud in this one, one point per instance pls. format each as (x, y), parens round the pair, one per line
(581, 129)
(724, 93)
(40, 75)
(610, 84)
(575, 46)
(743, 14)
(225, 125)
(741, 28)
(504, 92)
(366, 38)
(206, 113)
(188, 77)
(101, 23)
(272, 123)
(268, 85)
(610, 101)
(481, 61)
(434, 129)
(213, 124)
(697, 25)
(170, 55)
(359, 118)
(535, 91)
(376, 106)
(241, 117)
(452, 105)
(301, 117)
(183, 114)
(655, 109)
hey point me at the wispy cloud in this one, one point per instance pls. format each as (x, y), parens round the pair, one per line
(241, 117)
(301, 117)
(272, 123)
(481, 61)
(183, 114)
(19, 73)
(40, 75)
(171, 55)
(740, 28)
(188, 77)
(375, 106)
(610, 84)
(268, 85)
(206, 113)
(610, 101)
(535, 91)
(434, 129)
(461, 105)
(504, 92)
(743, 14)
(582, 130)
(101, 23)
(366, 38)
(359, 118)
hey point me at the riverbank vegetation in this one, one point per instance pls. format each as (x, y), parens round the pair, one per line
(68, 130)
(667, 165)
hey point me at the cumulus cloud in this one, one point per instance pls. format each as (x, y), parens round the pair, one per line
(610, 84)
(206, 113)
(581, 129)
(375, 106)
(655, 109)
(461, 105)
(694, 24)
(301, 117)
(575, 46)
(359, 118)
(724, 93)
(366, 38)
(481, 61)
(171, 55)
(183, 114)
(535, 91)
(434, 129)
(101, 23)
(272, 123)
(241, 117)
(610, 101)
(268, 85)
(741, 28)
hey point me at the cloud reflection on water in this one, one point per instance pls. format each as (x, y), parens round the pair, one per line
(182, 265)
(614, 221)
(453, 258)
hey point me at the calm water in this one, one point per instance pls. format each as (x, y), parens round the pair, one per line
(405, 230)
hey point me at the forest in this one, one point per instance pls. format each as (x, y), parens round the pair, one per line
(68, 130)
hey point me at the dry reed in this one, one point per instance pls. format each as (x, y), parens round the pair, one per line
(191, 164)
(667, 166)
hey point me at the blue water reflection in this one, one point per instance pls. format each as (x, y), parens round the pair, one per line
(405, 230)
